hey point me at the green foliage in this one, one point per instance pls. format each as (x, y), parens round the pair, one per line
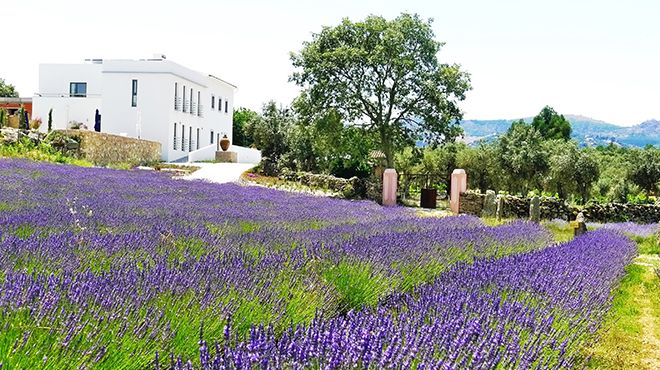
(4, 116)
(242, 118)
(50, 120)
(551, 125)
(571, 171)
(521, 161)
(358, 284)
(269, 132)
(645, 169)
(350, 157)
(7, 90)
(523, 157)
(621, 343)
(25, 148)
(440, 162)
(21, 118)
(385, 75)
(480, 163)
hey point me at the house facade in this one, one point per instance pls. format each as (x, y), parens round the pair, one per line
(153, 99)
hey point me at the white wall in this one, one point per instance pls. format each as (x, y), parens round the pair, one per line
(54, 83)
(66, 110)
(151, 111)
(54, 79)
(213, 120)
(109, 89)
(246, 155)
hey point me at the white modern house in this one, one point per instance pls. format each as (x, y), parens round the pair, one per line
(152, 99)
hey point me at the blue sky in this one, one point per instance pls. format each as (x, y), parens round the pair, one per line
(595, 58)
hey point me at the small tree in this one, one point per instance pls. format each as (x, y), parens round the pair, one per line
(3, 117)
(572, 171)
(269, 131)
(522, 157)
(242, 118)
(552, 125)
(7, 90)
(645, 169)
(22, 124)
(50, 120)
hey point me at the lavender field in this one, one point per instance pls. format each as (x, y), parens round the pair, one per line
(117, 269)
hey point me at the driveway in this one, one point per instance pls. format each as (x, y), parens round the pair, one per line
(219, 173)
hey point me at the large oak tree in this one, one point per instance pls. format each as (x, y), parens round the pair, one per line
(384, 75)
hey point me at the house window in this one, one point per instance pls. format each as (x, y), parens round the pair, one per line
(226, 105)
(175, 138)
(212, 102)
(176, 96)
(134, 94)
(191, 103)
(185, 102)
(219, 104)
(183, 137)
(212, 137)
(199, 100)
(190, 139)
(78, 89)
(197, 141)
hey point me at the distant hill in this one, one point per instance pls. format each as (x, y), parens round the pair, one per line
(586, 131)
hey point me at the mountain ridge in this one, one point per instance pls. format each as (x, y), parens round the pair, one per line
(585, 130)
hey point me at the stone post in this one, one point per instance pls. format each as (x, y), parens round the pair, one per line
(389, 187)
(490, 204)
(458, 186)
(535, 209)
(499, 213)
(580, 226)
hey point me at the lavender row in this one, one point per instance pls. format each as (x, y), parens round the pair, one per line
(527, 311)
(105, 268)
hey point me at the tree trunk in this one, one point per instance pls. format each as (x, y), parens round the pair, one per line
(386, 146)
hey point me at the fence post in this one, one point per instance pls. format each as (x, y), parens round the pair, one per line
(458, 186)
(389, 187)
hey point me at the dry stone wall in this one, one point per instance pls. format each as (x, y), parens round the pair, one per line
(474, 203)
(471, 203)
(621, 212)
(103, 149)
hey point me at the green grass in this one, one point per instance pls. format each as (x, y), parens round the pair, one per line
(647, 245)
(560, 233)
(625, 335)
(357, 284)
(39, 152)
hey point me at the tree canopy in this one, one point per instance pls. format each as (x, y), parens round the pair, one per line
(7, 90)
(384, 75)
(552, 125)
(242, 118)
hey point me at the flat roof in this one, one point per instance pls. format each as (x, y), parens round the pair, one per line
(16, 100)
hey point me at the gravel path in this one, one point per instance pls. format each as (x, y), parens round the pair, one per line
(219, 173)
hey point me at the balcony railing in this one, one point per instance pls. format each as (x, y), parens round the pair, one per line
(177, 103)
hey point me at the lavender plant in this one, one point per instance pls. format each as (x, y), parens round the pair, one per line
(102, 268)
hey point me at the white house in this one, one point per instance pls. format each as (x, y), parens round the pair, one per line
(153, 99)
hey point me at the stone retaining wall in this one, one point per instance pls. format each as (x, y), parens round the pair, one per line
(473, 202)
(103, 149)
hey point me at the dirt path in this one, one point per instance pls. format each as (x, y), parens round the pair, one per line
(650, 357)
